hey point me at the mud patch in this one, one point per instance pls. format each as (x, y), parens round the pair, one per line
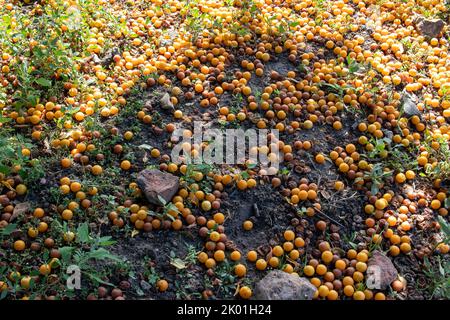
(161, 255)
(271, 217)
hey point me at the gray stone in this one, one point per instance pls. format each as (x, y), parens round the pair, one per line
(380, 271)
(20, 208)
(279, 285)
(409, 103)
(108, 57)
(165, 102)
(155, 183)
(431, 28)
(96, 59)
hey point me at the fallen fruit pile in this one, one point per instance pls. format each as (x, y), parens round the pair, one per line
(92, 90)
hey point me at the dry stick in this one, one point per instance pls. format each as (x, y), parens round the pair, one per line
(348, 198)
(320, 212)
(256, 210)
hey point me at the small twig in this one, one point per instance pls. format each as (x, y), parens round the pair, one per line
(256, 210)
(325, 215)
(348, 198)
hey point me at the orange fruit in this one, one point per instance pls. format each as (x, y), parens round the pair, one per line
(66, 163)
(45, 269)
(435, 204)
(214, 236)
(75, 186)
(320, 158)
(128, 135)
(97, 170)
(274, 262)
(289, 235)
(210, 263)
(277, 251)
(219, 255)
(202, 257)
(380, 296)
(327, 256)
(125, 165)
(349, 290)
(242, 184)
(245, 292)
(240, 270)
(235, 255)
(38, 213)
(252, 256)
(323, 291)
(162, 285)
(261, 264)
(247, 225)
(359, 295)
(19, 245)
(299, 242)
(219, 218)
(309, 271)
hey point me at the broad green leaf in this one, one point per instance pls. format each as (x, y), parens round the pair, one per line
(43, 82)
(251, 165)
(4, 169)
(103, 254)
(3, 294)
(6, 231)
(66, 253)
(447, 203)
(441, 270)
(374, 190)
(245, 175)
(106, 241)
(83, 233)
(4, 120)
(444, 226)
(96, 278)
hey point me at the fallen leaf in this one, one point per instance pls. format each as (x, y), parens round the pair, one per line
(134, 233)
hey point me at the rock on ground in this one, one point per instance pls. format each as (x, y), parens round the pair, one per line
(109, 56)
(409, 104)
(429, 27)
(155, 184)
(19, 209)
(166, 103)
(279, 285)
(380, 271)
